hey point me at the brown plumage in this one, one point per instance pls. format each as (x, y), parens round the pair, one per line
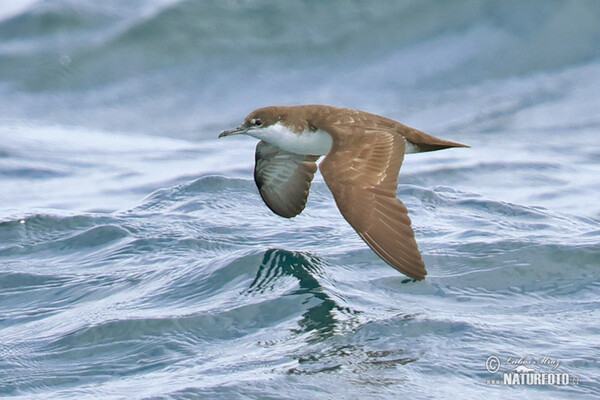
(361, 167)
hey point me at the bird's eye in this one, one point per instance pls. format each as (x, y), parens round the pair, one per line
(257, 122)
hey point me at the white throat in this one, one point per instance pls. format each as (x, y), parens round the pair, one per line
(308, 142)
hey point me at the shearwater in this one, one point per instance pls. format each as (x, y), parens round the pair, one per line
(363, 154)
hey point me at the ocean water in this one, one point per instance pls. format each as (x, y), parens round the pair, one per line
(138, 261)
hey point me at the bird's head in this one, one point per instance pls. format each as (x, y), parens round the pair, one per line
(258, 120)
(285, 127)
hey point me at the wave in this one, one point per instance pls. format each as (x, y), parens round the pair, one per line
(214, 35)
(190, 69)
(174, 287)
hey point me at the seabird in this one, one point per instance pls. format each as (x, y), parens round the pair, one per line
(363, 154)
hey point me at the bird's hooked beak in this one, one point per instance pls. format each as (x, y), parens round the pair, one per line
(235, 131)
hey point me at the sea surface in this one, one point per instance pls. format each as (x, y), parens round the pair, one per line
(138, 261)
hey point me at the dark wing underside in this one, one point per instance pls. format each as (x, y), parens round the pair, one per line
(283, 179)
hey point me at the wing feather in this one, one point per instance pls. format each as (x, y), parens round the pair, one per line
(361, 170)
(283, 179)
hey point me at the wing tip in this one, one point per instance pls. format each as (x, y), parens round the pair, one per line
(417, 272)
(417, 277)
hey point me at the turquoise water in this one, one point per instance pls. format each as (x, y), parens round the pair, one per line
(137, 259)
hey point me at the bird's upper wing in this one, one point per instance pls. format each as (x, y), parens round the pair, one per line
(361, 170)
(283, 179)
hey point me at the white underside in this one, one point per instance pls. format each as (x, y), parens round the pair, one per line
(410, 148)
(308, 142)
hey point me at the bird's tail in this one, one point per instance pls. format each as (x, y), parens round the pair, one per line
(424, 142)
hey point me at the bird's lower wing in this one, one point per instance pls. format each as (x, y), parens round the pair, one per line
(283, 179)
(361, 170)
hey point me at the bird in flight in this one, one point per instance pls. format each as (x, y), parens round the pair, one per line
(363, 154)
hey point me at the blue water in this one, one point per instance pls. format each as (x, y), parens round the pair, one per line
(138, 261)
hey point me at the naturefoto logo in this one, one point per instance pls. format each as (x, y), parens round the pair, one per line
(523, 370)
